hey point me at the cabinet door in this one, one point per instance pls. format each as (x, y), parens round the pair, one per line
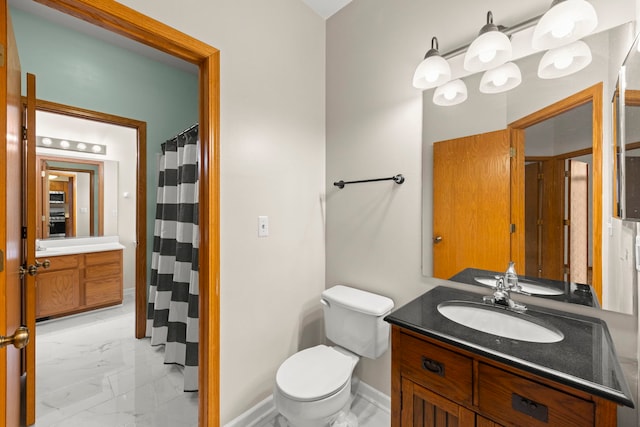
(57, 292)
(423, 408)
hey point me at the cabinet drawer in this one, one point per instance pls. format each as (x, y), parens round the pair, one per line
(62, 262)
(509, 398)
(436, 368)
(92, 272)
(104, 291)
(102, 257)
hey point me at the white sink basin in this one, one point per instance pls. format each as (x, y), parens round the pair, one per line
(528, 286)
(500, 321)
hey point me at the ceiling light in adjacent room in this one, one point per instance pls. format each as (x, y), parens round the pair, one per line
(433, 71)
(490, 49)
(566, 21)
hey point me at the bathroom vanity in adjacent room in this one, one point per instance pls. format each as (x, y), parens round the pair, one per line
(83, 275)
(445, 374)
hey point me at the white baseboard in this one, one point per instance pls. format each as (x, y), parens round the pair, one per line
(374, 396)
(255, 415)
(266, 409)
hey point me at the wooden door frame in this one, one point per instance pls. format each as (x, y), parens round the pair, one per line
(131, 24)
(591, 94)
(141, 193)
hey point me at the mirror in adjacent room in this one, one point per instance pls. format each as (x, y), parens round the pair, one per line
(70, 197)
(484, 113)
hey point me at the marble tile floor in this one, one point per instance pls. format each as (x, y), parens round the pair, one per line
(92, 372)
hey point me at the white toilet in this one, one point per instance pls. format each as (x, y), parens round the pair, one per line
(313, 387)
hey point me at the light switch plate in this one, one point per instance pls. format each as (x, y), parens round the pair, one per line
(263, 226)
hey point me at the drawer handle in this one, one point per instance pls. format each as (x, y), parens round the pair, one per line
(530, 407)
(433, 366)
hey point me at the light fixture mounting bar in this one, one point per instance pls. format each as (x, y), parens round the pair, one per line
(509, 31)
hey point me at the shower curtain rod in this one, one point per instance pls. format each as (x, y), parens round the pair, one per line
(188, 129)
(398, 179)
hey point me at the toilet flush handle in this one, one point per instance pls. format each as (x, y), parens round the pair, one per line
(324, 302)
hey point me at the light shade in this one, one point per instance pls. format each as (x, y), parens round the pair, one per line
(433, 71)
(451, 93)
(490, 49)
(501, 79)
(565, 22)
(564, 60)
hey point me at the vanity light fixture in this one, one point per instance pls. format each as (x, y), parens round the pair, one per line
(451, 93)
(433, 71)
(564, 60)
(566, 21)
(69, 145)
(490, 49)
(501, 79)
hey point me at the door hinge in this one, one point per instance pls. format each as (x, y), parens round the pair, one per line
(24, 232)
(1, 261)
(540, 177)
(1, 55)
(567, 174)
(512, 152)
(512, 228)
(24, 133)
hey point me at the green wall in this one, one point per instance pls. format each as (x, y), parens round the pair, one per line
(74, 69)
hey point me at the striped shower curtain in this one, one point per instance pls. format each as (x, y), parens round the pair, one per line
(172, 314)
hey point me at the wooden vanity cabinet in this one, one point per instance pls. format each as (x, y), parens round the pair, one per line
(79, 282)
(437, 384)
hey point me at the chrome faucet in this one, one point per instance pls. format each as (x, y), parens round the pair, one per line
(502, 295)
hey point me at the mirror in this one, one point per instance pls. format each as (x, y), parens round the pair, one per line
(485, 113)
(71, 197)
(626, 105)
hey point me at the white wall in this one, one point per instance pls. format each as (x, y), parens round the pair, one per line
(376, 126)
(272, 163)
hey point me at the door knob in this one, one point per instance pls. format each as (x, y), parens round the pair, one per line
(437, 239)
(32, 270)
(19, 339)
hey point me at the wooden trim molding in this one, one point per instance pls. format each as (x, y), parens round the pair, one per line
(129, 23)
(594, 95)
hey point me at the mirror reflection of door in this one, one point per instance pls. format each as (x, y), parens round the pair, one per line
(558, 197)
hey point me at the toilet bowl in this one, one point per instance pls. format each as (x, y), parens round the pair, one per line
(313, 386)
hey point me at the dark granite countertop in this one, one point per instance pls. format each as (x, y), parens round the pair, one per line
(585, 359)
(574, 293)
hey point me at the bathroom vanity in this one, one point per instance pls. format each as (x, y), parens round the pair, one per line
(446, 374)
(80, 277)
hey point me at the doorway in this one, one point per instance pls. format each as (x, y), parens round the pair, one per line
(590, 101)
(131, 24)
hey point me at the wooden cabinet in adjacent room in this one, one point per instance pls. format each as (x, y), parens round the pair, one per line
(79, 282)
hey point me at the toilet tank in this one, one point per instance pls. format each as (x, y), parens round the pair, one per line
(353, 319)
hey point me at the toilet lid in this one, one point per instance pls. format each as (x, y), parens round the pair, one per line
(314, 373)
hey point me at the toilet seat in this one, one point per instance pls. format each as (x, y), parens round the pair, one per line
(314, 374)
